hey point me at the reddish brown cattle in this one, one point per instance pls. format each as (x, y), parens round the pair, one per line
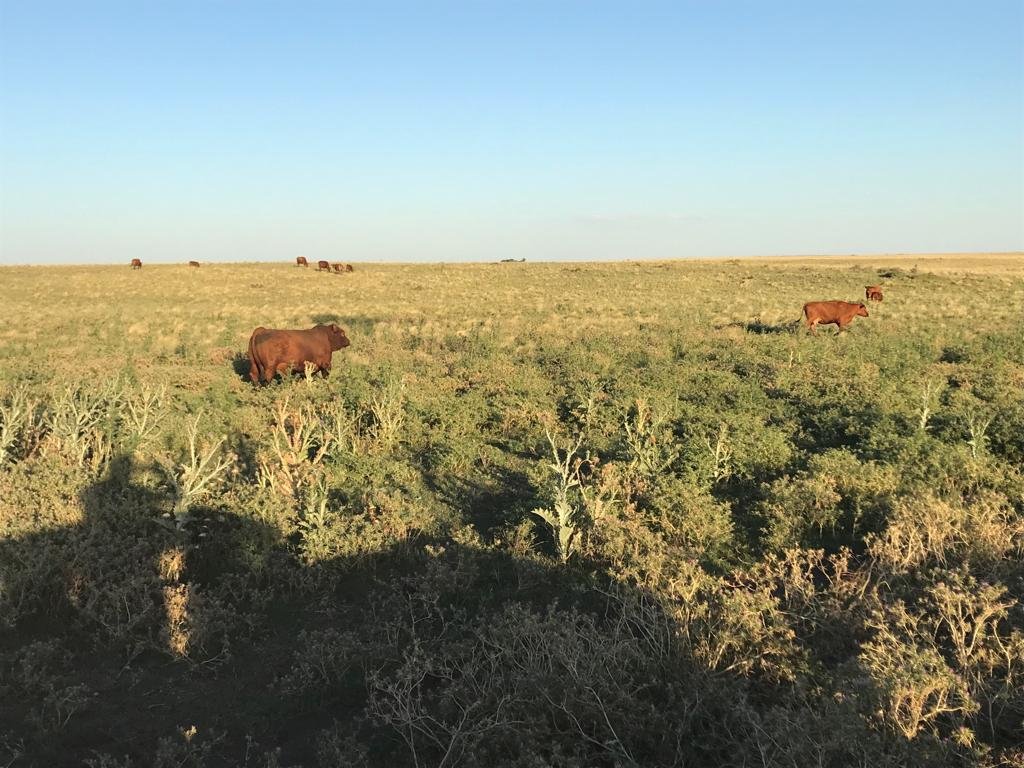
(193, 263)
(136, 263)
(873, 292)
(273, 351)
(323, 266)
(348, 267)
(300, 261)
(838, 313)
(338, 267)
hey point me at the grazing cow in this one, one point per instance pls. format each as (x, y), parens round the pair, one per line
(300, 261)
(838, 313)
(348, 267)
(873, 292)
(273, 351)
(338, 267)
(323, 266)
(136, 263)
(193, 263)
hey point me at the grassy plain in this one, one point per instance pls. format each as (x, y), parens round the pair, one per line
(540, 514)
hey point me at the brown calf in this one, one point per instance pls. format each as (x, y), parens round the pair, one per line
(837, 313)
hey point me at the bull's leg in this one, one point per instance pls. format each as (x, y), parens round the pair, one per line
(254, 373)
(325, 368)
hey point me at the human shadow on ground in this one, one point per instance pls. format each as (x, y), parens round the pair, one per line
(233, 640)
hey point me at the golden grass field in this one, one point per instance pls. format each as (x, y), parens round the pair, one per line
(579, 514)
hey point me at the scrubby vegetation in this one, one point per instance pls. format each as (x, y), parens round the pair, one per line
(540, 514)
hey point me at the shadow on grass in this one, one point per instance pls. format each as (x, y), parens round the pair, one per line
(756, 326)
(232, 641)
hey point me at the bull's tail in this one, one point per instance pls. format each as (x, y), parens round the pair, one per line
(254, 369)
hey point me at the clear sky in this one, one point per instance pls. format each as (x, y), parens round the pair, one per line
(477, 131)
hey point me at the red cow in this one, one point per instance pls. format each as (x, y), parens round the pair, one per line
(838, 313)
(873, 292)
(323, 266)
(338, 267)
(273, 351)
(348, 267)
(136, 263)
(300, 261)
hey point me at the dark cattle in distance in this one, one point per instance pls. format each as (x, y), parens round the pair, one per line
(300, 261)
(838, 313)
(136, 263)
(193, 263)
(873, 292)
(273, 351)
(323, 266)
(339, 268)
(348, 267)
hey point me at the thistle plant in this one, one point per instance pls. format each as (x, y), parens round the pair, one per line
(196, 476)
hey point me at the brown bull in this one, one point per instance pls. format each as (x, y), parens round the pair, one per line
(300, 261)
(838, 313)
(338, 267)
(136, 263)
(273, 351)
(873, 292)
(193, 263)
(348, 267)
(323, 266)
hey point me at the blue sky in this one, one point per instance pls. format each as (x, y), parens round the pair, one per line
(478, 131)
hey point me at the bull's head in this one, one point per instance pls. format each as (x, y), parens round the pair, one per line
(337, 337)
(862, 310)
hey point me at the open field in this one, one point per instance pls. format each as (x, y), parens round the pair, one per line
(567, 514)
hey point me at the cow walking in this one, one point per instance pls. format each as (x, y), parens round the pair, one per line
(136, 263)
(300, 261)
(837, 313)
(873, 292)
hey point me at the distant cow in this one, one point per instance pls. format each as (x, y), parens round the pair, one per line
(300, 261)
(273, 351)
(838, 313)
(323, 266)
(338, 267)
(873, 292)
(136, 263)
(348, 267)
(193, 263)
